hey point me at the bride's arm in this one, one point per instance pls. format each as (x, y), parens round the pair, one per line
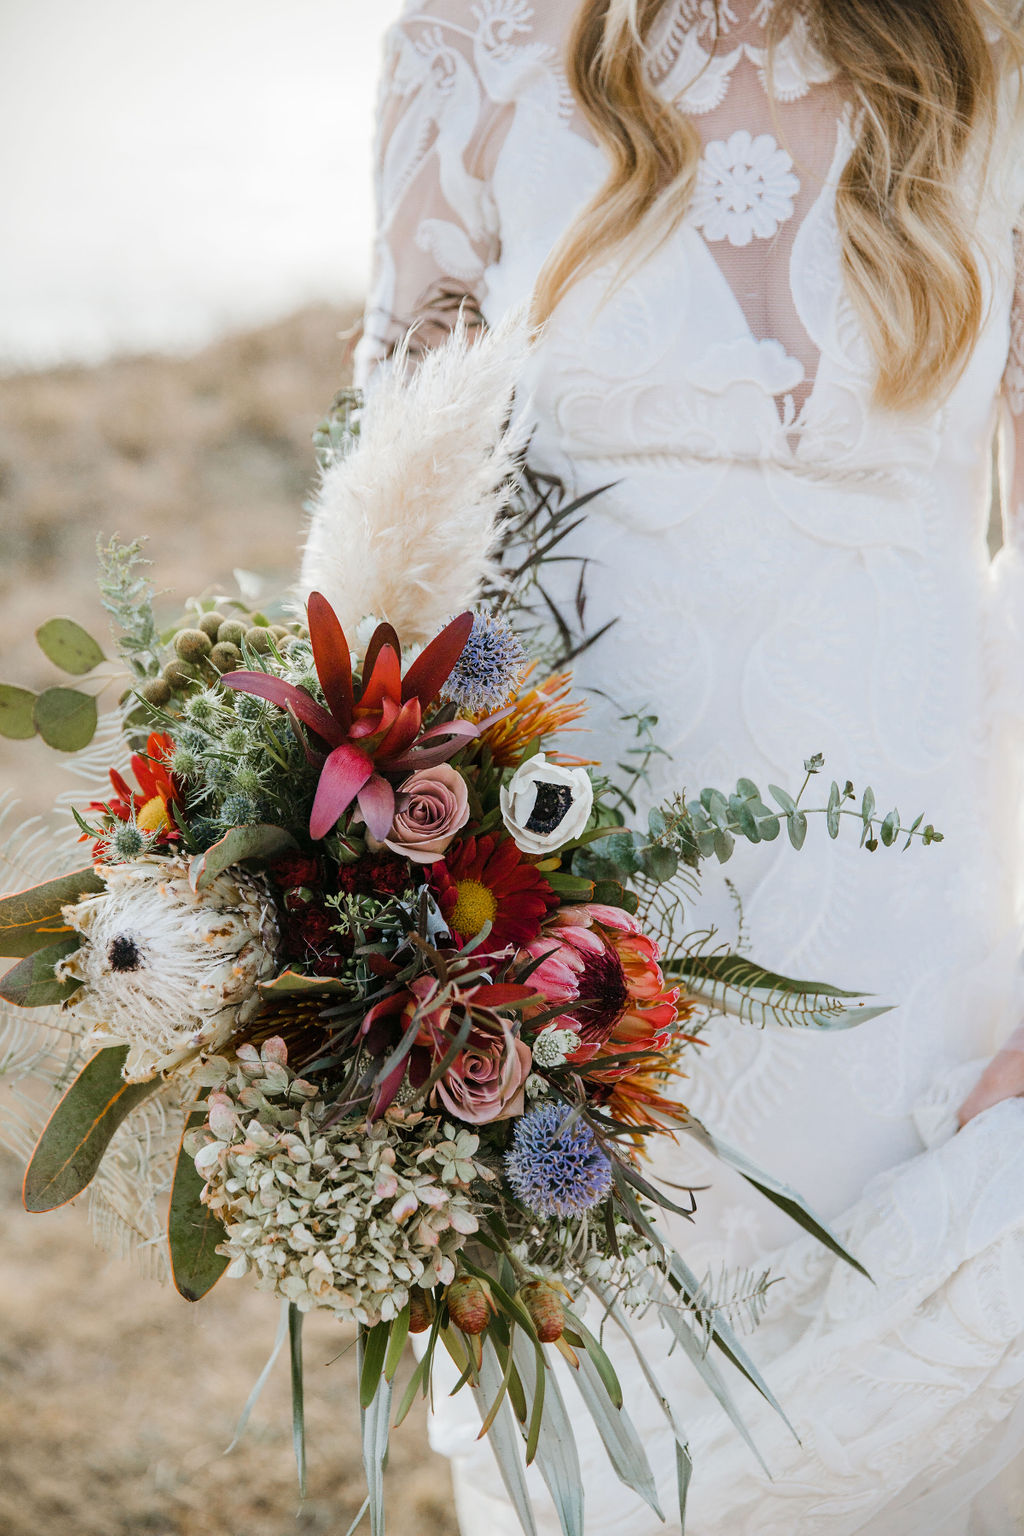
(436, 230)
(1004, 1077)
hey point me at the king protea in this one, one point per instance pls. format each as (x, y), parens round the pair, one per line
(367, 732)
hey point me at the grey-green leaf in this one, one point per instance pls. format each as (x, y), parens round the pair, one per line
(78, 1132)
(32, 984)
(66, 719)
(69, 646)
(796, 825)
(832, 810)
(192, 1231)
(241, 843)
(17, 712)
(505, 1438)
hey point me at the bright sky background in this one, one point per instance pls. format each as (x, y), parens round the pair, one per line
(171, 170)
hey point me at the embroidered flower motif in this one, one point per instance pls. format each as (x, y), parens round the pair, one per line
(745, 188)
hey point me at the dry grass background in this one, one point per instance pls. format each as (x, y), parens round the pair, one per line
(117, 1398)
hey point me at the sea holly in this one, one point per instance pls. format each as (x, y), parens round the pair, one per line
(370, 729)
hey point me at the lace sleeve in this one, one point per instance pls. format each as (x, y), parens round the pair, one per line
(436, 228)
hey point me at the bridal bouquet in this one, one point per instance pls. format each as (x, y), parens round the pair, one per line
(410, 994)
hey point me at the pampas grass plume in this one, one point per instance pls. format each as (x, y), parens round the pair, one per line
(404, 525)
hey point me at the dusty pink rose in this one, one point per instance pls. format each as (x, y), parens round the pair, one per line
(487, 1079)
(433, 806)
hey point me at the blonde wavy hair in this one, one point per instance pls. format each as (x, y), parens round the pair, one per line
(926, 80)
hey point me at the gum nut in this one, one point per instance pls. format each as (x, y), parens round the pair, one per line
(258, 639)
(178, 675)
(231, 632)
(192, 644)
(210, 624)
(157, 691)
(225, 656)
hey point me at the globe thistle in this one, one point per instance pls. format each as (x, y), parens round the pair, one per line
(249, 709)
(185, 762)
(248, 781)
(239, 811)
(342, 1215)
(204, 710)
(126, 841)
(556, 1172)
(490, 668)
(236, 740)
(165, 969)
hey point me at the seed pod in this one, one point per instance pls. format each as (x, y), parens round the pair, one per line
(231, 632)
(258, 639)
(469, 1303)
(544, 1305)
(157, 691)
(178, 675)
(279, 631)
(192, 644)
(421, 1310)
(225, 657)
(210, 624)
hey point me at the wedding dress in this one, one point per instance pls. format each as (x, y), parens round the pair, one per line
(792, 570)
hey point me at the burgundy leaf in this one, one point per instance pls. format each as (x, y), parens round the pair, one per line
(403, 731)
(276, 691)
(332, 657)
(426, 752)
(434, 663)
(377, 803)
(343, 776)
(383, 635)
(385, 681)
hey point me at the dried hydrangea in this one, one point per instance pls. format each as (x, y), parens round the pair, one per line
(347, 1216)
(166, 969)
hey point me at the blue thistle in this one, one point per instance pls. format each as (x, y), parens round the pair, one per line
(490, 668)
(556, 1175)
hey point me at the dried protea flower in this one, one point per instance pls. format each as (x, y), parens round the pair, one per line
(544, 1305)
(421, 1310)
(470, 1303)
(166, 970)
(342, 1215)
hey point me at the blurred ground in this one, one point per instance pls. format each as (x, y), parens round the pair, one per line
(117, 1397)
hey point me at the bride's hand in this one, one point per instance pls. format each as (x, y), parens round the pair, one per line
(1003, 1078)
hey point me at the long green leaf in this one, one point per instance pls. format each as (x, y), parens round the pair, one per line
(598, 1358)
(32, 984)
(262, 1379)
(505, 1439)
(557, 1460)
(78, 1132)
(375, 1418)
(684, 1471)
(31, 920)
(193, 1232)
(374, 1351)
(298, 1395)
(618, 1434)
(396, 1343)
(780, 1194)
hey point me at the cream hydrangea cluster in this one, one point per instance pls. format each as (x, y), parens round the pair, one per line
(347, 1216)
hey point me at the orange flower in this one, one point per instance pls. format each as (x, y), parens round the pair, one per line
(541, 711)
(149, 805)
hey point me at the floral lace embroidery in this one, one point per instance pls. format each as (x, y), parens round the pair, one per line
(745, 188)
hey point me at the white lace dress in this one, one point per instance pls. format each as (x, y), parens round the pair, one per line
(793, 570)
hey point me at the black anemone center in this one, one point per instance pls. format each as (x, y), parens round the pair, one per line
(123, 954)
(550, 808)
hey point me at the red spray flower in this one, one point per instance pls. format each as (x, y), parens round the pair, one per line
(483, 880)
(150, 804)
(376, 731)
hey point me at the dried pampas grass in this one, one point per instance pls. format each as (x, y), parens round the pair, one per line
(404, 525)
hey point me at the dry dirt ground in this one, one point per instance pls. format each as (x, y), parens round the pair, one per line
(117, 1398)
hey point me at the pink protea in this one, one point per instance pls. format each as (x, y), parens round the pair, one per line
(597, 961)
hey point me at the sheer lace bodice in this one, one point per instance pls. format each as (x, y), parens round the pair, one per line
(791, 569)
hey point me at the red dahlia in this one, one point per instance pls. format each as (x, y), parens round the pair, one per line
(481, 880)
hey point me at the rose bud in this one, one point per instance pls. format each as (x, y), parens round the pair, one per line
(544, 806)
(544, 1305)
(469, 1303)
(421, 1310)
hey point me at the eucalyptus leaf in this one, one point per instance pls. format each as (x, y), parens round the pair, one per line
(79, 1130)
(66, 719)
(241, 843)
(32, 984)
(193, 1232)
(17, 712)
(69, 646)
(31, 919)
